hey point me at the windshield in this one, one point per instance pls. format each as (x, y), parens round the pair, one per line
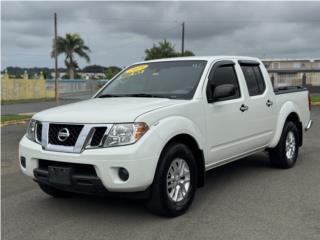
(171, 79)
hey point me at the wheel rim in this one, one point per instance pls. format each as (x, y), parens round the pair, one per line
(290, 145)
(178, 180)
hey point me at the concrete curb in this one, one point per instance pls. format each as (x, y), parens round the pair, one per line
(20, 121)
(13, 122)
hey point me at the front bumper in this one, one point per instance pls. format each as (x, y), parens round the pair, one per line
(86, 184)
(80, 183)
(137, 159)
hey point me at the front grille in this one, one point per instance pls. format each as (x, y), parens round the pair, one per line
(74, 132)
(97, 136)
(71, 138)
(39, 132)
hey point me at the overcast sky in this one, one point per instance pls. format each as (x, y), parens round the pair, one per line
(119, 32)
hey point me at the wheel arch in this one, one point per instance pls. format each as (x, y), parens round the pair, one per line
(193, 145)
(288, 112)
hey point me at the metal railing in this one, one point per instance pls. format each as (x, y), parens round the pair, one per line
(76, 88)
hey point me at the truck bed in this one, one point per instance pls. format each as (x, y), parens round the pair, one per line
(296, 95)
(289, 89)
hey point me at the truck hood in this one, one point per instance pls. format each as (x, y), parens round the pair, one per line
(104, 110)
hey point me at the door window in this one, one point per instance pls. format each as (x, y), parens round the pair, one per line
(254, 79)
(224, 74)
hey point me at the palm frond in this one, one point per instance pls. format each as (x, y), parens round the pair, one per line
(83, 54)
(70, 45)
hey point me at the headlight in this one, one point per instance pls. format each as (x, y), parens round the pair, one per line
(31, 131)
(34, 130)
(124, 134)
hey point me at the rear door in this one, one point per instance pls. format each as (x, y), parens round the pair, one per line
(260, 117)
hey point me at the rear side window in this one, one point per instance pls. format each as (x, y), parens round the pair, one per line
(225, 74)
(254, 79)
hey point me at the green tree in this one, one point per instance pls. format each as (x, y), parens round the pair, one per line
(112, 71)
(71, 45)
(164, 49)
(186, 53)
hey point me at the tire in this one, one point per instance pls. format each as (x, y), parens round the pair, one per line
(168, 197)
(54, 192)
(285, 154)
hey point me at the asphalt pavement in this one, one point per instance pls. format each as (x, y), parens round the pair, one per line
(246, 199)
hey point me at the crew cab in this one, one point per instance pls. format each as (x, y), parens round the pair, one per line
(158, 126)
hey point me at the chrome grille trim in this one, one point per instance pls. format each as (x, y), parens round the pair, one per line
(45, 132)
(91, 135)
(38, 131)
(82, 142)
(82, 138)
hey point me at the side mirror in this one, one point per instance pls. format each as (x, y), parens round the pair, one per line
(222, 91)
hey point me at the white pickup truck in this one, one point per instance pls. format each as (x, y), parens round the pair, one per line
(158, 126)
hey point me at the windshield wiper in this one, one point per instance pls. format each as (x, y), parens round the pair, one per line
(108, 96)
(146, 95)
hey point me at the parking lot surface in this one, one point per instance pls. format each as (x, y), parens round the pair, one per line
(246, 199)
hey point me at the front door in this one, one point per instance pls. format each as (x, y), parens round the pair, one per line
(226, 117)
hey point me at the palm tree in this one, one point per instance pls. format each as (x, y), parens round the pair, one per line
(70, 45)
(164, 49)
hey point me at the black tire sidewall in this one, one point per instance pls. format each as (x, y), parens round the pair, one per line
(173, 151)
(290, 127)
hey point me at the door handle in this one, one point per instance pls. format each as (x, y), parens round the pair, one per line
(244, 108)
(269, 103)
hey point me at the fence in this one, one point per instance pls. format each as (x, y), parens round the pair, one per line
(76, 88)
(25, 88)
(75, 85)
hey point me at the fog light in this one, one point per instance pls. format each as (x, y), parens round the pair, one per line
(23, 161)
(123, 174)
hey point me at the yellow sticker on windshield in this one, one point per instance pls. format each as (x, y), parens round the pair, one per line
(137, 70)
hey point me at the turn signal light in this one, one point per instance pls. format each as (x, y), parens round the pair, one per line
(141, 129)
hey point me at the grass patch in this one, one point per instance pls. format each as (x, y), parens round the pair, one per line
(9, 118)
(315, 98)
(26, 100)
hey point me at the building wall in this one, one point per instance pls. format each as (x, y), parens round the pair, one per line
(20, 89)
(294, 72)
(292, 64)
(295, 79)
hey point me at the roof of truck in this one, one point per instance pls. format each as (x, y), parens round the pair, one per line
(206, 58)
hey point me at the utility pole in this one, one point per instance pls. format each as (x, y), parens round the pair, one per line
(182, 40)
(56, 94)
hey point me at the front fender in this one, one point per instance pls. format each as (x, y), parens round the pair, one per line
(172, 126)
(288, 108)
